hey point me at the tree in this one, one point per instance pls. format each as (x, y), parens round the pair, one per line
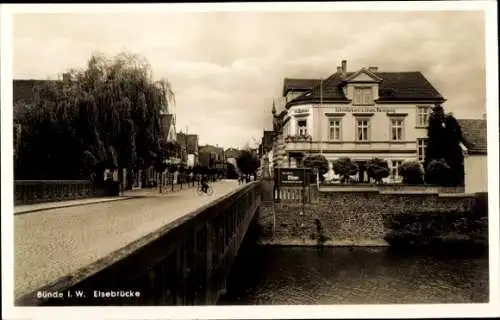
(436, 143)
(454, 156)
(411, 172)
(316, 162)
(444, 138)
(231, 171)
(437, 172)
(345, 167)
(108, 116)
(247, 162)
(377, 169)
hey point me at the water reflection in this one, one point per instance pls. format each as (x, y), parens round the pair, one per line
(299, 275)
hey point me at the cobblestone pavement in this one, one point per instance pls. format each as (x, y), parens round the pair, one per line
(52, 243)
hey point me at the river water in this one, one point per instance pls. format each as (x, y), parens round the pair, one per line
(305, 275)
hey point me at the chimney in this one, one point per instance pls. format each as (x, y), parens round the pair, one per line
(344, 66)
(373, 69)
(339, 69)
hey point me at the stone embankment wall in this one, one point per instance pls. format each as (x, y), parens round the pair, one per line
(347, 217)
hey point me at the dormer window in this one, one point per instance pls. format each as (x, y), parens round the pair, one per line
(363, 96)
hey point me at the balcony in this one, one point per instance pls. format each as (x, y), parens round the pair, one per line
(298, 139)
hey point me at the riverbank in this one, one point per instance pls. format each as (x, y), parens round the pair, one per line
(314, 243)
(374, 219)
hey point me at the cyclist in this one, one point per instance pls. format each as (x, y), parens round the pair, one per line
(204, 183)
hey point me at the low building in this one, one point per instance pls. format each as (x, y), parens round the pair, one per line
(362, 114)
(475, 154)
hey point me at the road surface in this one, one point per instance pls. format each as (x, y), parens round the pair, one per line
(52, 243)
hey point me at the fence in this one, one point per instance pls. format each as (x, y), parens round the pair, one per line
(37, 191)
(391, 188)
(166, 181)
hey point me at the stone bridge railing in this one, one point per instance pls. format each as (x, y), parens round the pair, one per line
(185, 262)
(37, 191)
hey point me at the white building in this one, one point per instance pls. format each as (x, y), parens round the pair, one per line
(475, 155)
(360, 115)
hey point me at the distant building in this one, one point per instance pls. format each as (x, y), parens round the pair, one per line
(475, 154)
(212, 156)
(232, 153)
(360, 115)
(189, 148)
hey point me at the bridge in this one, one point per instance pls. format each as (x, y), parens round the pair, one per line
(141, 249)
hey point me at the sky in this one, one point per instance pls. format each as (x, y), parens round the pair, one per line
(227, 67)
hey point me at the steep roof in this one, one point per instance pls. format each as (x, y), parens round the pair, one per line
(474, 134)
(394, 86)
(294, 84)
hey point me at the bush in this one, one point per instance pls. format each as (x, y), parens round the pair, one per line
(345, 167)
(438, 172)
(377, 169)
(436, 228)
(412, 172)
(317, 162)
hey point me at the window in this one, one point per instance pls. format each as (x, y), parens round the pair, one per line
(396, 164)
(422, 116)
(396, 129)
(362, 126)
(363, 96)
(302, 125)
(421, 149)
(335, 129)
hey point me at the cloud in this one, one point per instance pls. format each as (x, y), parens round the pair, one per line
(226, 67)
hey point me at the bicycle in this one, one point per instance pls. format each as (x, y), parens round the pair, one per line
(200, 192)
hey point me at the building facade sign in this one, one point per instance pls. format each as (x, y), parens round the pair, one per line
(301, 110)
(297, 176)
(365, 109)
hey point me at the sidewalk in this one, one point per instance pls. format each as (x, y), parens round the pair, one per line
(128, 194)
(25, 208)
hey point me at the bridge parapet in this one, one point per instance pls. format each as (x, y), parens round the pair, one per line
(37, 191)
(183, 263)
